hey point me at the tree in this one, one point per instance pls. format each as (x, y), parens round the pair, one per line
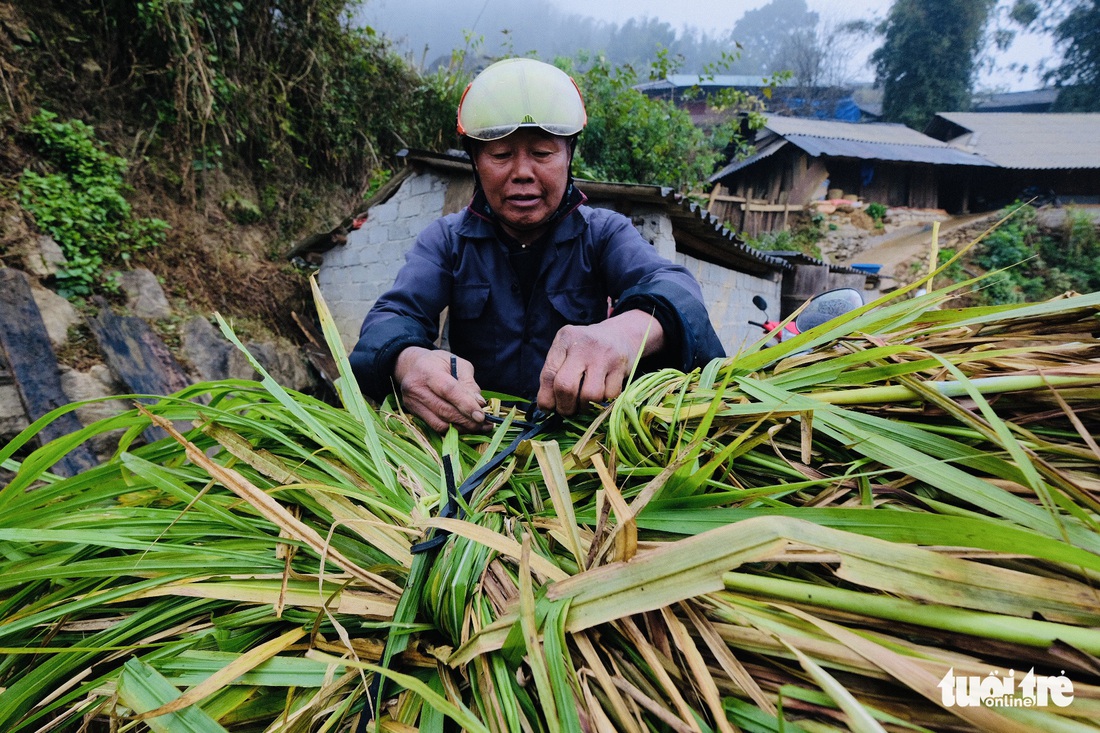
(632, 138)
(764, 35)
(818, 60)
(1075, 27)
(928, 59)
(1079, 72)
(821, 56)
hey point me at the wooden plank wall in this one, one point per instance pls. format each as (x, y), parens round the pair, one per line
(751, 216)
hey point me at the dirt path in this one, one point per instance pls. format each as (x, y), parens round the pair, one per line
(901, 247)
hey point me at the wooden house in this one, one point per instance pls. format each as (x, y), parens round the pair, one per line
(1053, 156)
(796, 161)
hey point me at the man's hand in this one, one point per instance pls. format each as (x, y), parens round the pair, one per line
(430, 391)
(590, 363)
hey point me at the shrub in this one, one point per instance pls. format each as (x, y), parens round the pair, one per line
(1076, 256)
(300, 86)
(633, 138)
(81, 203)
(805, 236)
(1038, 266)
(877, 212)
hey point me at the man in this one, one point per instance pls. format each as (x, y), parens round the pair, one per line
(527, 271)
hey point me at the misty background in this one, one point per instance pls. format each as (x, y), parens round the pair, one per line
(821, 44)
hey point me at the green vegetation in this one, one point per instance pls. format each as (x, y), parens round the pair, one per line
(298, 92)
(805, 236)
(843, 529)
(633, 138)
(926, 64)
(293, 89)
(1078, 73)
(302, 101)
(1035, 266)
(877, 212)
(82, 204)
(1072, 24)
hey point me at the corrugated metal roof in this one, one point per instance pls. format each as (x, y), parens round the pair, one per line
(863, 141)
(1017, 101)
(707, 235)
(869, 132)
(1031, 141)
(763, 152)
(801, 258)
(839, 148)
(686, 81)
(869, 141)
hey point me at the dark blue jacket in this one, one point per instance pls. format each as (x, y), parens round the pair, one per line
(592, 257)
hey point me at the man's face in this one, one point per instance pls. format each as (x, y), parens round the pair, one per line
(524, 176)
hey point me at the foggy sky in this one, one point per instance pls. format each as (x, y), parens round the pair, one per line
(427, 30)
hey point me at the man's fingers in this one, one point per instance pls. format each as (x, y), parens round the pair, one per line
(465, 371)
(580, 368)
(601, 382)
(462, 400)
(555, 357)
(613, 384)
(567, 387)
(440, 388)
(446, 405)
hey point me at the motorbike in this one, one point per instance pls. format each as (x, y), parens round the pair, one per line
(819, 309)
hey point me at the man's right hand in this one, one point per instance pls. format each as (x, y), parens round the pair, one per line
(430, 391)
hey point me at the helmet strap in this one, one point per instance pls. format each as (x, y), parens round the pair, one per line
(480, 205)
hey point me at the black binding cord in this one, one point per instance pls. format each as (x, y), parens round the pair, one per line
(538, 421)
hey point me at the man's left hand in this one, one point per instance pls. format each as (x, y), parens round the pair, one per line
(590, 363)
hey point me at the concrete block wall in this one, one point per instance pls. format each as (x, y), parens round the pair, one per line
(728, 295)
(355, 274)
(656, 228)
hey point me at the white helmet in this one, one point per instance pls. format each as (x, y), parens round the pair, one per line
(520, 92)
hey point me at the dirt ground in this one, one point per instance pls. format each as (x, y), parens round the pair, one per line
(903, 248)
(898, 251)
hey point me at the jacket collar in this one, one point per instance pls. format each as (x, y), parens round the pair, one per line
(480, 221)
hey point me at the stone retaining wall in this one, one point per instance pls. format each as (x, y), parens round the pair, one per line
(205, 353)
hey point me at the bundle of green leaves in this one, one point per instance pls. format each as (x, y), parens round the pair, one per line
(830, 532)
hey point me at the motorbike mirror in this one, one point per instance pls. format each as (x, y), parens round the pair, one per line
(760, 303)
(827, 306)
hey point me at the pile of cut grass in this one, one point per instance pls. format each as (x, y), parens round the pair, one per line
(782, 541)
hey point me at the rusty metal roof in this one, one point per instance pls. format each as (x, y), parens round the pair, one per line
(1024, 140)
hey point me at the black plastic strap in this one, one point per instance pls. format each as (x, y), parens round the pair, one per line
(539, 422)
